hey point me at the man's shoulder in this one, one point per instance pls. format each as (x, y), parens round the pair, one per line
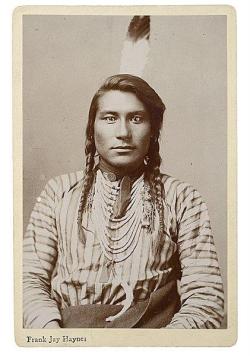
(64, 183)
(175, 187)
(170, 181)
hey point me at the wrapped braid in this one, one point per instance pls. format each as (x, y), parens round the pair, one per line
(153, 176)
(88, 180)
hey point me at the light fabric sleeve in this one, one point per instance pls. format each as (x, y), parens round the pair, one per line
(201, 288)
(39, 258)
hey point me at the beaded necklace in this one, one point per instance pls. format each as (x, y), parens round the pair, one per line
(119, 237)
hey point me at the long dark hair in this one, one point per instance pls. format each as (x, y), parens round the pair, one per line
(155, 107)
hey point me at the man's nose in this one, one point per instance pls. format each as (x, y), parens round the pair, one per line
(123, 129)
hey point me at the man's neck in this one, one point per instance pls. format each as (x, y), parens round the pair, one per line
(121, 171)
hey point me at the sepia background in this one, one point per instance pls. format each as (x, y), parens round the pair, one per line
(66, 58)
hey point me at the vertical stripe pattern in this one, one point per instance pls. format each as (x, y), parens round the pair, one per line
(59, 271)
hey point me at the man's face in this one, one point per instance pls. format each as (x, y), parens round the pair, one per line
(122, 129)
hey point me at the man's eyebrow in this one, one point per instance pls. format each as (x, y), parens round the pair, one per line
(137, 112)
(108, 112)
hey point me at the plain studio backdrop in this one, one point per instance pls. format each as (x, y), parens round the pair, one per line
(66, 59)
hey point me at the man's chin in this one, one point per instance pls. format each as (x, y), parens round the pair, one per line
(124, 164)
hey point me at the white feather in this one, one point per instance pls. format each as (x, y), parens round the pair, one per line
(134, 57)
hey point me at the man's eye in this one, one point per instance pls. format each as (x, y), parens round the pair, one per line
(109, 119)
(137, 119)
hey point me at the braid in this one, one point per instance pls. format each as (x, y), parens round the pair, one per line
(87, 183)
(153, 176)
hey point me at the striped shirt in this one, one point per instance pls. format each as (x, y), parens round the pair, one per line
(61, 271)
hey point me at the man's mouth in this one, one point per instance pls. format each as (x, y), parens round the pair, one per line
(123, 147)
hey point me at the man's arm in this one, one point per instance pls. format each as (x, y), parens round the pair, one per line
(202, 298)
(39, 258)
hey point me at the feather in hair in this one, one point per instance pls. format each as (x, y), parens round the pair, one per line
(136, 46)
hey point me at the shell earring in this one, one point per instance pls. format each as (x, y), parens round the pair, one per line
(146, 160)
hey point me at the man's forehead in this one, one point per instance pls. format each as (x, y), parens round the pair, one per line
(117, 101)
